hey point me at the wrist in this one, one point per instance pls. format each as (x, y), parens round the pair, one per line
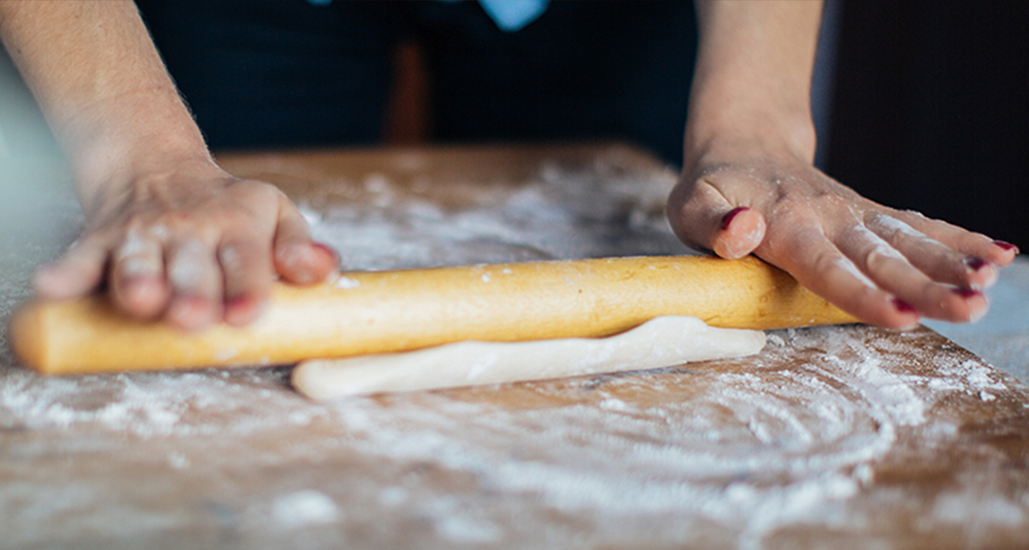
(113, 145)
(752, 81)
(111, 133)
(162, 174)
(759, 127)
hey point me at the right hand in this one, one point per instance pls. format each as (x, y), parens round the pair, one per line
(884, 266)
(190, 244)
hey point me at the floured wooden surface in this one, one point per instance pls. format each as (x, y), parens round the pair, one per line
(842, 436)
(384, 210)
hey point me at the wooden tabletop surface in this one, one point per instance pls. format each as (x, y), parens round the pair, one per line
(842, 437)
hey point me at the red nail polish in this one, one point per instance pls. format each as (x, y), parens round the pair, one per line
(966, 293)
(243, 309)
(727, 219)
(329, 250)
(237, 301)
(903, 307)
(975, 263)
(1006, 246)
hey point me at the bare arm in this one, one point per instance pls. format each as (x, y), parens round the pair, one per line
(749, 186)
(102, 86)
(175, 235)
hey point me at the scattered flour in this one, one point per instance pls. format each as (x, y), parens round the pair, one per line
(304, 508)
(892, 228)
(577, 214)
(463, 530)
(876, 245)
(185, 270)
(741, 453)
(347, 282)
(954, 508)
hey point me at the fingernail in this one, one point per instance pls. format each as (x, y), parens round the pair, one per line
(966, 293)
(975, 263)
(727, 219)
(903, 307)
(237, 301)
(329, 250)
(1006, 246)
(243, 309)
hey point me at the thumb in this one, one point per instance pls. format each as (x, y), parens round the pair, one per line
(701, 216)
(297, 258)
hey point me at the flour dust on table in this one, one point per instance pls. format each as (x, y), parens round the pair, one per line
(853, 435)
(562, 213)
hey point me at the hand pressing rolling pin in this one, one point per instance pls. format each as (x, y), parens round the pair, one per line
(179, 239)
(175, 236)
(749, 185)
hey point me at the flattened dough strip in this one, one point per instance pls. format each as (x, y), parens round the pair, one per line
(390, 311)
(660, 342)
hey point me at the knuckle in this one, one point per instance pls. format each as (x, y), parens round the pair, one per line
(238, 258)
(825, 261)
(876, 259)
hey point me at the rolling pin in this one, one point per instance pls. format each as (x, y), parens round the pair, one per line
(387, 311)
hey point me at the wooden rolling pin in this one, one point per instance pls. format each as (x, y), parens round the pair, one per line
(388, 311)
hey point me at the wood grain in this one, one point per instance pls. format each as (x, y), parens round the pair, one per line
(838, 436)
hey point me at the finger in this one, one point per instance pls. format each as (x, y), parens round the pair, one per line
(893, 273)
(247, 272)
(818, 265)
(138, 286)
(296, 257)
(708, 220)
(967, 242)
(940, 262)
(739, 232)
(196, 285)
(77, 273)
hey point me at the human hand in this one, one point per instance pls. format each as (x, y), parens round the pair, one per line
(170, 233)
(886, 267)
(189, 243)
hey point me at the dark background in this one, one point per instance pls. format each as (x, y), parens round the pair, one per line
(931, 110)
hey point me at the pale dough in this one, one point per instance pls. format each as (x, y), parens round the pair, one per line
(661, 342)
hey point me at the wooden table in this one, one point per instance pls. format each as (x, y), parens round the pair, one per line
(842, 437)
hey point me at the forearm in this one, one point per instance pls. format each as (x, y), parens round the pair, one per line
(753, 75)
(101, 85)
(749, 187)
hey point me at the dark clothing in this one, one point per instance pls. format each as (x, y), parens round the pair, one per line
(292, 74)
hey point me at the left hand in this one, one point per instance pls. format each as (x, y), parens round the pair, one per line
(187, 243)
(887, 267)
